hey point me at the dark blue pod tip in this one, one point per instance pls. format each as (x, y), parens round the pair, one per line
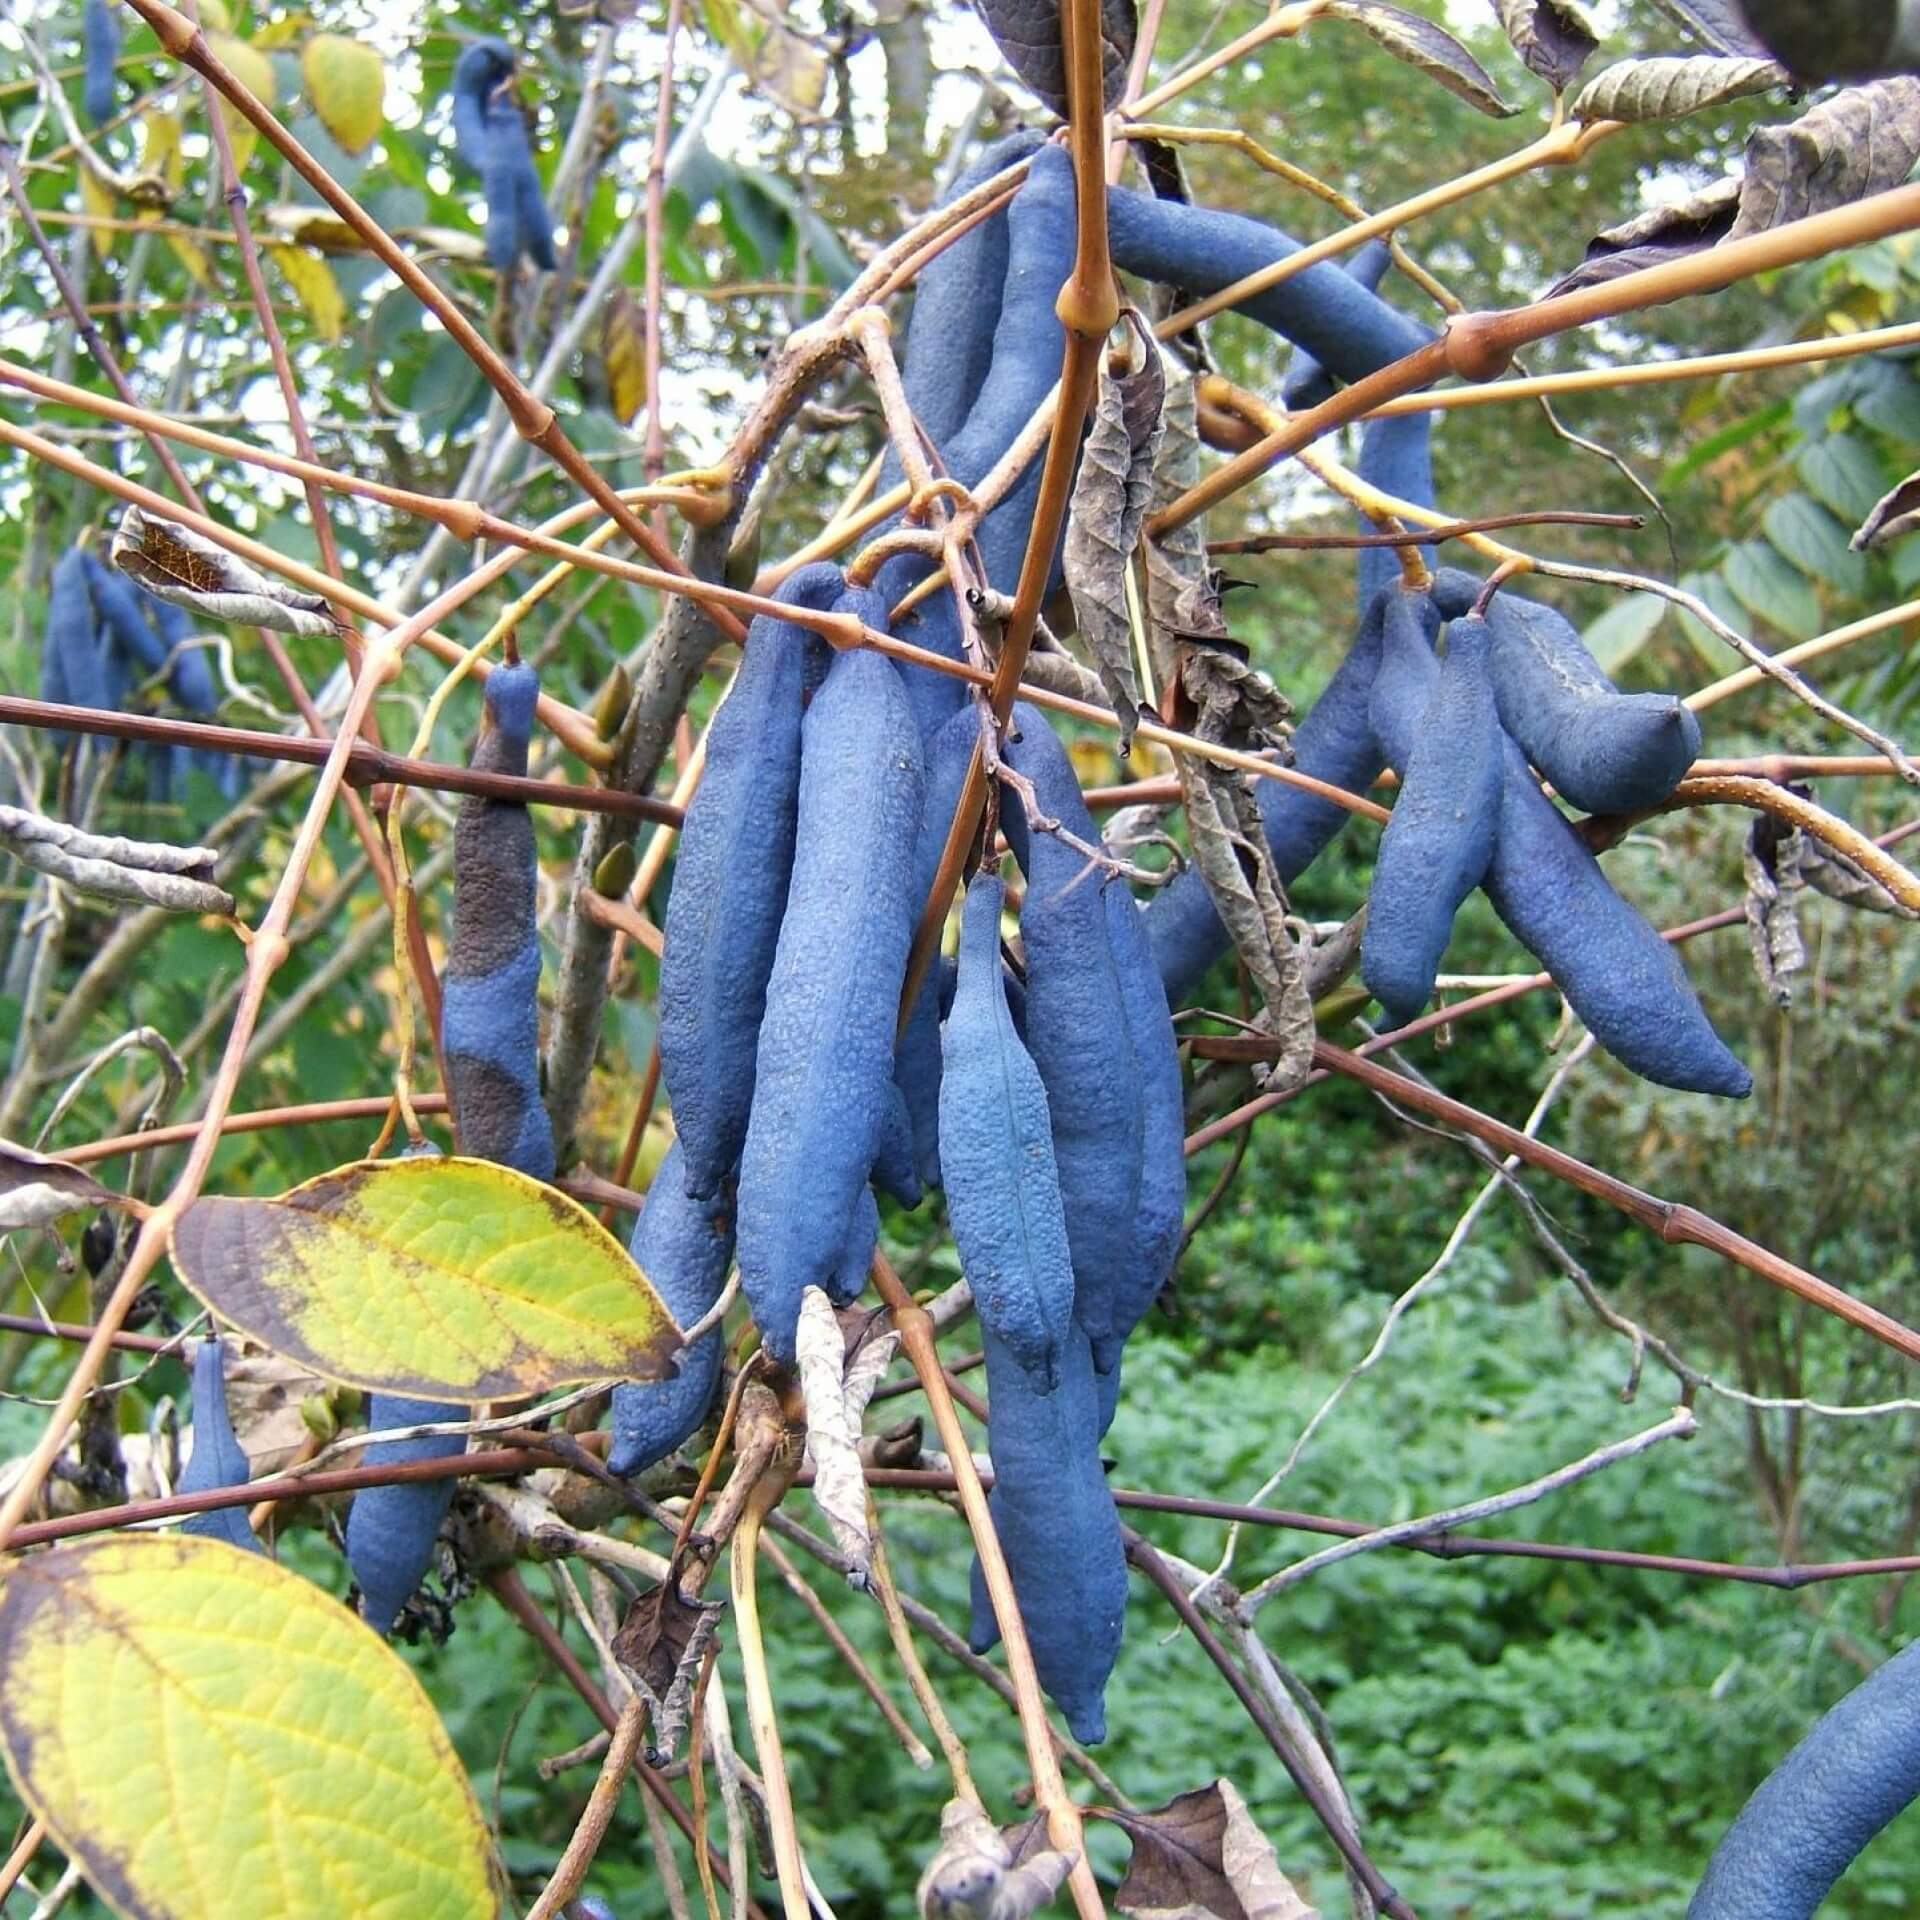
(512, 695)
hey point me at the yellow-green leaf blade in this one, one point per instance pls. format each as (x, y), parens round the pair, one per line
(441, 1279)
(209, 1735)
(347, 82)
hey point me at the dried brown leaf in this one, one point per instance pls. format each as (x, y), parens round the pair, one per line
(1177, 567)
(1554, 37)
(1432, 49)
(1771, 864)
(35, 1191)
(1861, 141)
(1110, 499)
(1670, 86)
(1201, 1857)
(982, 1872)
(1720, 23)
(174, 563)
(659, 1646)
(1895, 515)
(1028, 33)
(1691, 225)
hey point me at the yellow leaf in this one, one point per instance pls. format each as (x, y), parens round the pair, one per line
(193, 257)
(442, 1279)
(734, 29)
(312, 279)
(97, 198)
(623, 345)
(160, 148)
(347, 83)
(279, 33)
(208, 1736)
(315, 227)
(792, 70)
(254, 71)
(215, 17)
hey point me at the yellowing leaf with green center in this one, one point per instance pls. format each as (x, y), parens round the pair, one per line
(441, 1279)
(208, 1736)
(254, 71)
(312, 279)
(347, 82)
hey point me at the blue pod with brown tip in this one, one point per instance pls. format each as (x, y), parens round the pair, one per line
(996, 1157)
(218, 1459)
(916, 1068)
(1604, 750)
(1812, 1817)
(824, 1066)
(1162, 1217)
(1077, 1035)
(730, 887)
(1439, 840)
(101, 41)
(684, 1247)
(1058, 1528)
(490, 1027)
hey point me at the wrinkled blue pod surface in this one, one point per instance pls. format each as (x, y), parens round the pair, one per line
(73, 659)
(218, 1459)
(824, 1067)
(997, 1161)
(1815, 1813)
(490, 133)
(684, 1247)
(1077, 1035)
(730, 887)
(101, 40)
(1059, 1530)
(1307, 382)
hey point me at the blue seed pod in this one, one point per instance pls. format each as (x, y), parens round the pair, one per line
(490, 1025)
(1308, 383)
(1077, 1035)
(116, 602)
(684, 1246)
(1335, 742)
(1396, 455)
(490, 133)
(1059, 1530)
(894, 1172)
(1163, 1160)
(102, 45)
(73, 660)
(997, 1164)
(1604, 750)
(824, 1068)
(1815, 1813)
(1325, 311)
(949, 753)
(217, 1459)
(730, 888)
(1439, 842)
(190, 680)
(848, 1281)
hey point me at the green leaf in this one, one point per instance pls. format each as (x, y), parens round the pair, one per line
(1842, 470)
(210, 1737)
(1713, 589)
(1626, 627)
(1889, 402)
(1815, 542)
(442, 1279)
(1772, 590)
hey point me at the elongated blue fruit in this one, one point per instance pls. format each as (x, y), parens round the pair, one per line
(730, 888)
(217, 1459)
(490, 133)
(1077, 1035)
(894, 1172)
(848, 1280)
(1308, 383)
(1058, 1528)
(1618, 975)
(916, 1070)
(1163, 1127)
(73, 661)
(490, 1025)
(1604, 750)
(1396, 455)
(1335, 742)
(997, 1164)
(1439, 842)
(684, 1246)
(1351, 331)
(824, 1068)
(1815, 1813)
(190, 679)
(102, 42)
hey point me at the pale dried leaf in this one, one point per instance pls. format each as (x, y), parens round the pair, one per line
(866, 1368)
(1110, 500)
(35, 1191)
(1774, 883)
(1862, 141)
(1176, 564)
(1832, 873)
(659, 1646)
(833, 1432)
(1895, 514)
(1690, 225)
(1554, 38)
(140, 872)
(1720, 23)
(981, 1872)
(1028, 33)
(1667, 87)
(174, 563)
(1201, 1857)
(1432, 49)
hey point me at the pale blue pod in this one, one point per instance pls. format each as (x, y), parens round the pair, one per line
(217, 1459)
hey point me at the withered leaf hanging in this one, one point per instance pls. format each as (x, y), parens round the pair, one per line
(1028, 32)
(174, 563)
(1554, 37)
